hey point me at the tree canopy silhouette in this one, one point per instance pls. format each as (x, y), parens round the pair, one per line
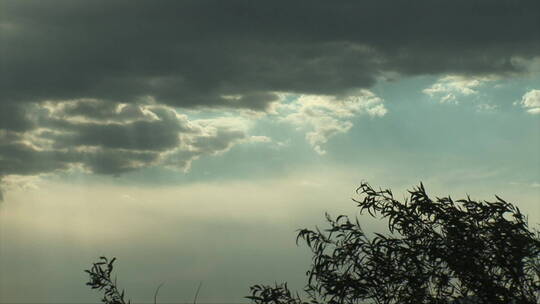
(437, 251)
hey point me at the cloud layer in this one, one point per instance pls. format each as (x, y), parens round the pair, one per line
(112, 139)
(195, 53)
(99, 85)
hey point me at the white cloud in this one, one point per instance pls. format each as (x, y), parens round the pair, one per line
(486, 107)
(324, 116)
(259, 139)
(449, 88)
(531, 101)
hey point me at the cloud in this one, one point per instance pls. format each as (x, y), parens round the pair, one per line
(486, 108)
(531, 101)
(92, 110)
(102, 86)
(325, 116)
(158, 134)
(217, 136)
(18, 182)
(449, 88)
(114, 138)
(200, 53)
(13, 117)
(19, 157)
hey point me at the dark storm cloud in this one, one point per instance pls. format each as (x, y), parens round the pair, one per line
(159, 134)
(193, 53)
(115, 162)
(140, 135)
(20, 158)
(13, 117)
(91, 108)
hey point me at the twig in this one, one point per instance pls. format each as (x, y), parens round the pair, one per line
(155, 293)
(197, 293)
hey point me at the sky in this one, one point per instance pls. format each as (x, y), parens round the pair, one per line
(191, 139)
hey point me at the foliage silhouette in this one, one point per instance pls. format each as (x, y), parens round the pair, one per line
(438, 251)
(100, 278)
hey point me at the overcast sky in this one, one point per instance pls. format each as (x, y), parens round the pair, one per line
(191, 139)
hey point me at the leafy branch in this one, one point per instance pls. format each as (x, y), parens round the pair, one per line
(100, 278)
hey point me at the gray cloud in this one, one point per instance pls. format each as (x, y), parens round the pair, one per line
(13, 117)
(193, 53)
(220, 137)
(20, 158)
(112, 139)
(115, 162)
(98, 109)
(220, 141)
(138, 135)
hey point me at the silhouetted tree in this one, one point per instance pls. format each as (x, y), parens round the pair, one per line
(437, 251)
